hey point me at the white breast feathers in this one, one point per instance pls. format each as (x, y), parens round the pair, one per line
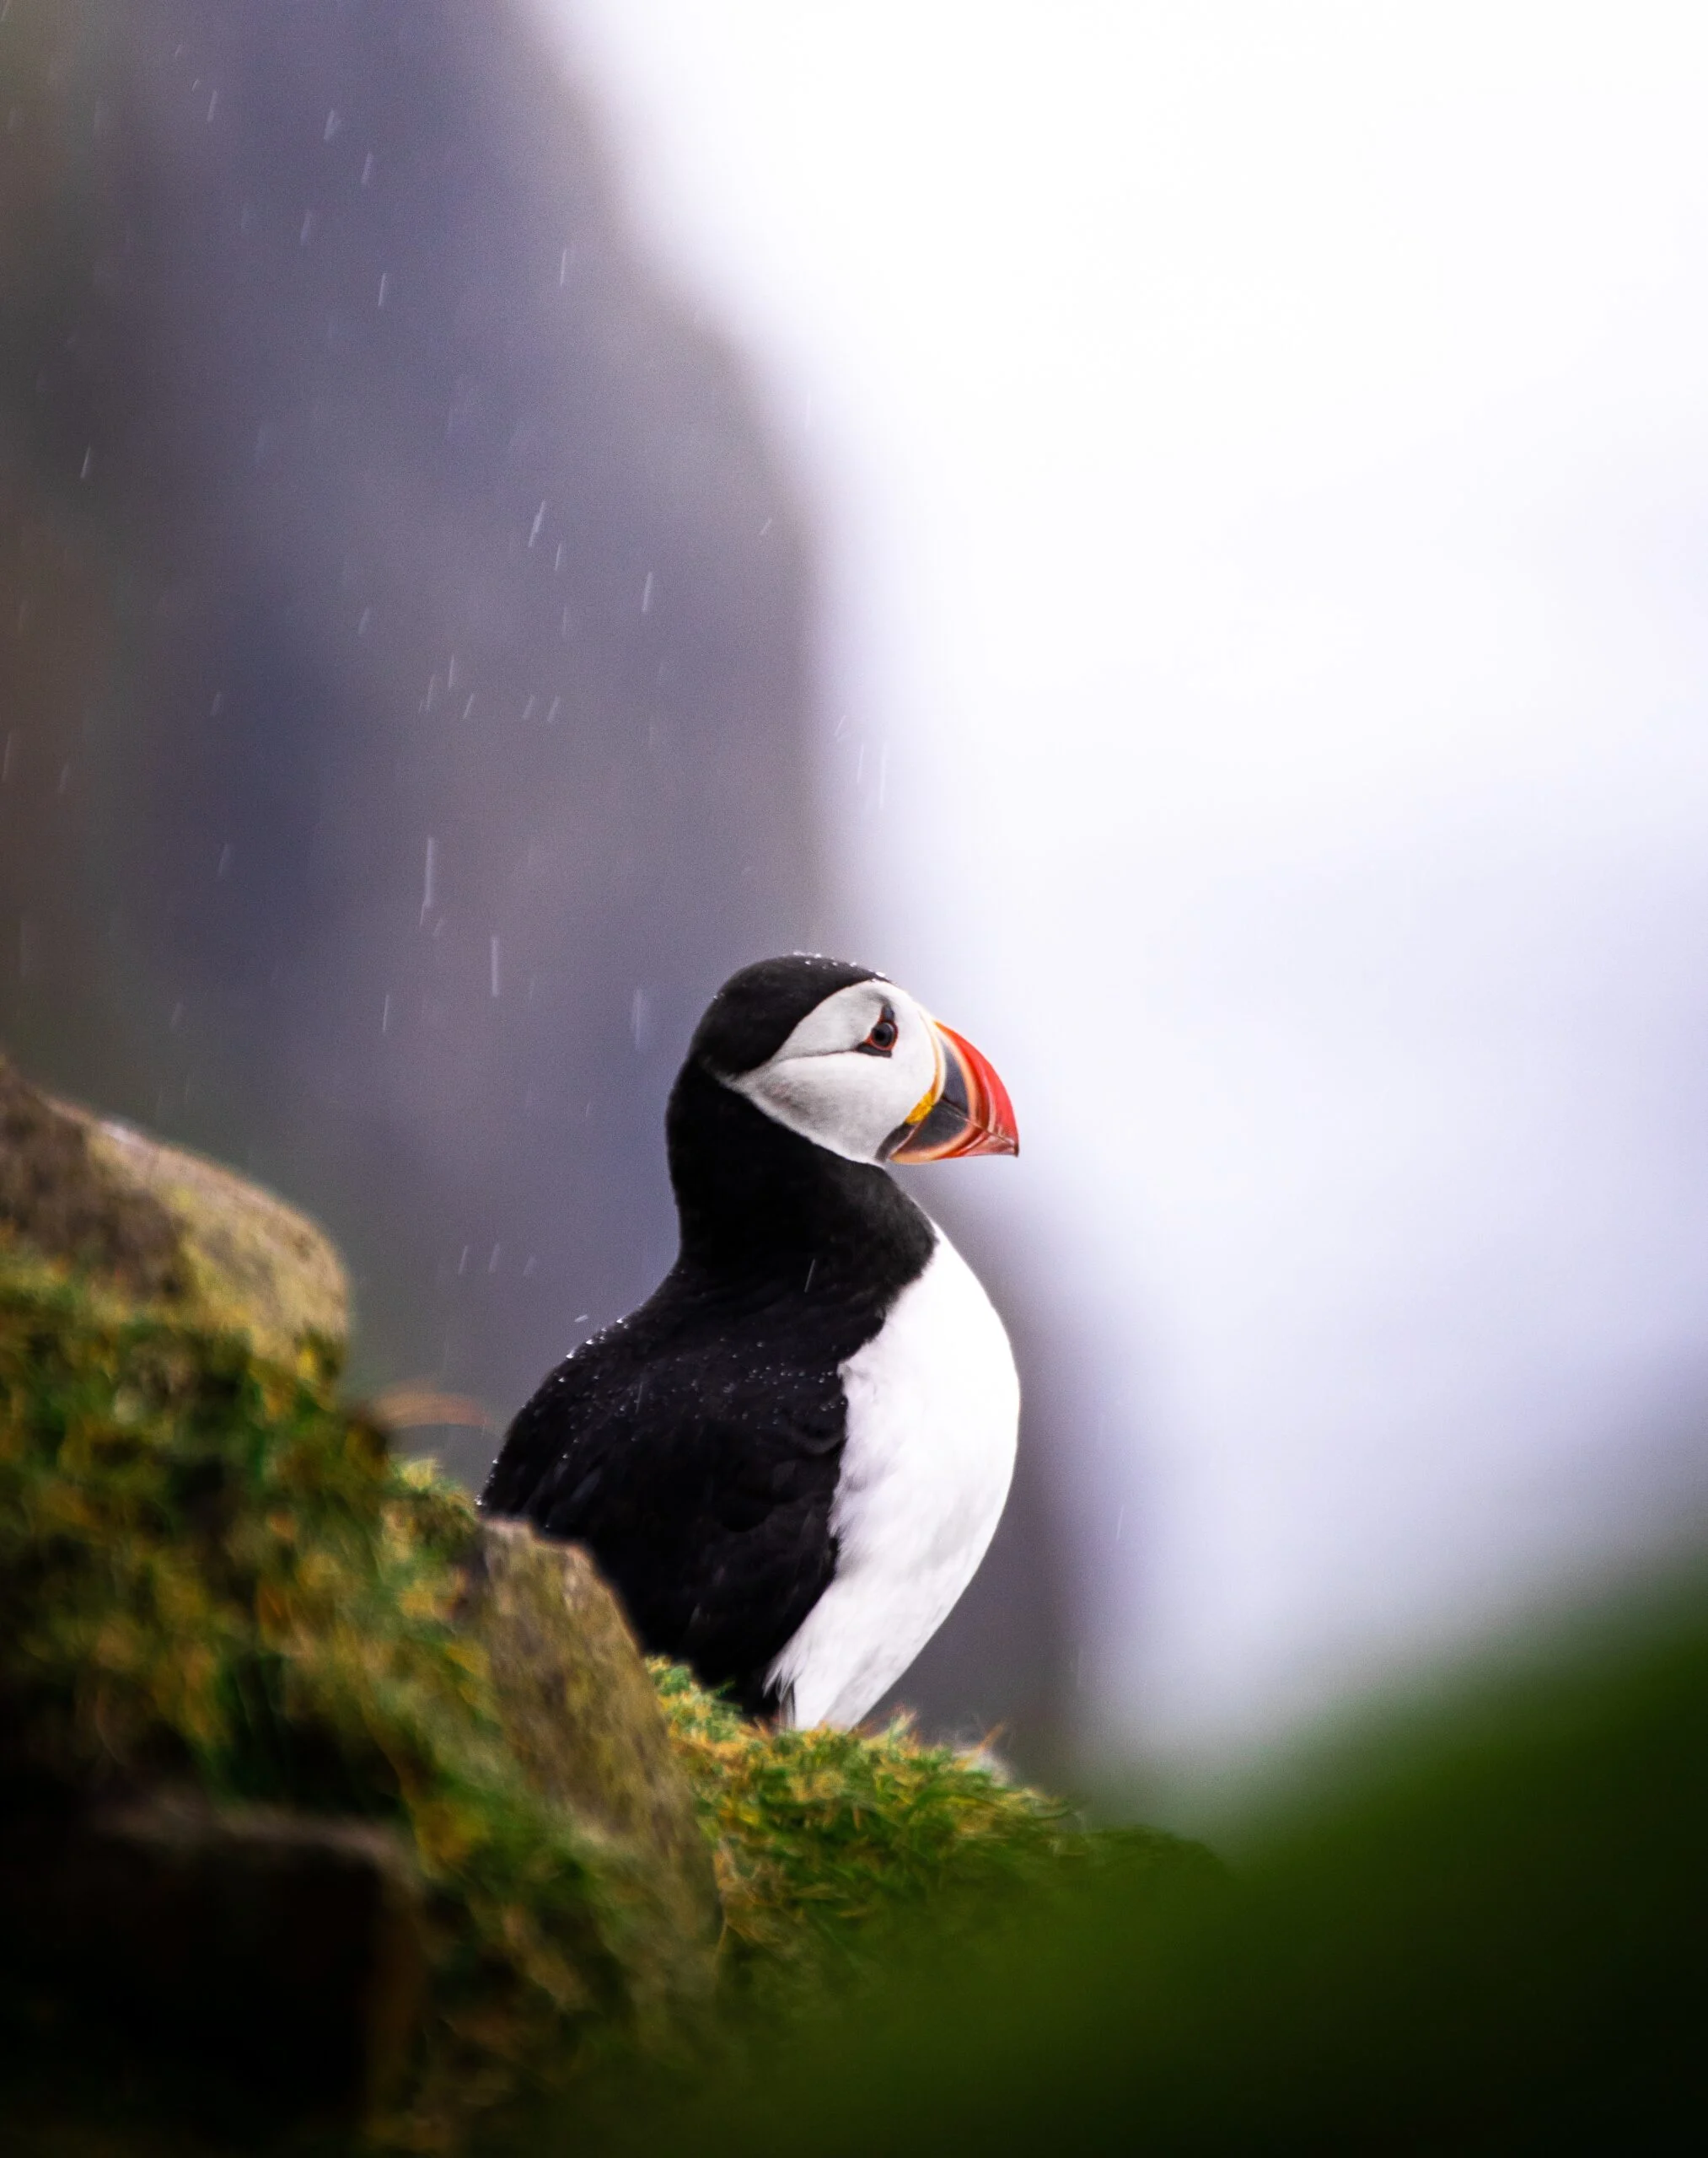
(933, 1409)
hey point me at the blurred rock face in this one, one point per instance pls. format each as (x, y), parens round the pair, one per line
(401, 645)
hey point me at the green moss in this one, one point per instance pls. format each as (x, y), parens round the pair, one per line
(836, 1847)
(210, 1570)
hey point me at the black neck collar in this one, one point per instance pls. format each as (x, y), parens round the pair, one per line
(758, 1202)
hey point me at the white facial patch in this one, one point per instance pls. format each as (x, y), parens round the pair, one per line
(822, 1084)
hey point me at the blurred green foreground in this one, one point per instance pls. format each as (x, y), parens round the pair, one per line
(1486, 1932)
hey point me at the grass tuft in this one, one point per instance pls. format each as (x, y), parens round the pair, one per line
(834, 1848)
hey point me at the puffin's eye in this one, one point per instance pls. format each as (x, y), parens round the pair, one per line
(882, 1038)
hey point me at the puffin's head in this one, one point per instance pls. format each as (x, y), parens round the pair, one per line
(845, 1058)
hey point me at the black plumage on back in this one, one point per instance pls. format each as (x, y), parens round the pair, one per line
(695, 1447)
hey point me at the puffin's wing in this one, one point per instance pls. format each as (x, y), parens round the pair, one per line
(703, 1489)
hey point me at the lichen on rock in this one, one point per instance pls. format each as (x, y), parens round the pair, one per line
(56, 1198)
(160, 1225)
(587, 1728)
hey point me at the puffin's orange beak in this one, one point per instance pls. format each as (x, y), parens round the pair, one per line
(967, 1112)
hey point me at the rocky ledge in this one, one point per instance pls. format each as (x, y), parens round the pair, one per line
(321, 1800)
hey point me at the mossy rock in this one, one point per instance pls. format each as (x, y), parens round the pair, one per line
(214, 1576)
(277, 1954)
(587, 1728)
(159, 1225)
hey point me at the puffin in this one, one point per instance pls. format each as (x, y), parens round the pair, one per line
(790, 1460)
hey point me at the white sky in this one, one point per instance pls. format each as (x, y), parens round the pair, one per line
(1262, 456)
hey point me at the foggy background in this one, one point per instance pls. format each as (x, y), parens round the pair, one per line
(1261, 455)
(1177, 531)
